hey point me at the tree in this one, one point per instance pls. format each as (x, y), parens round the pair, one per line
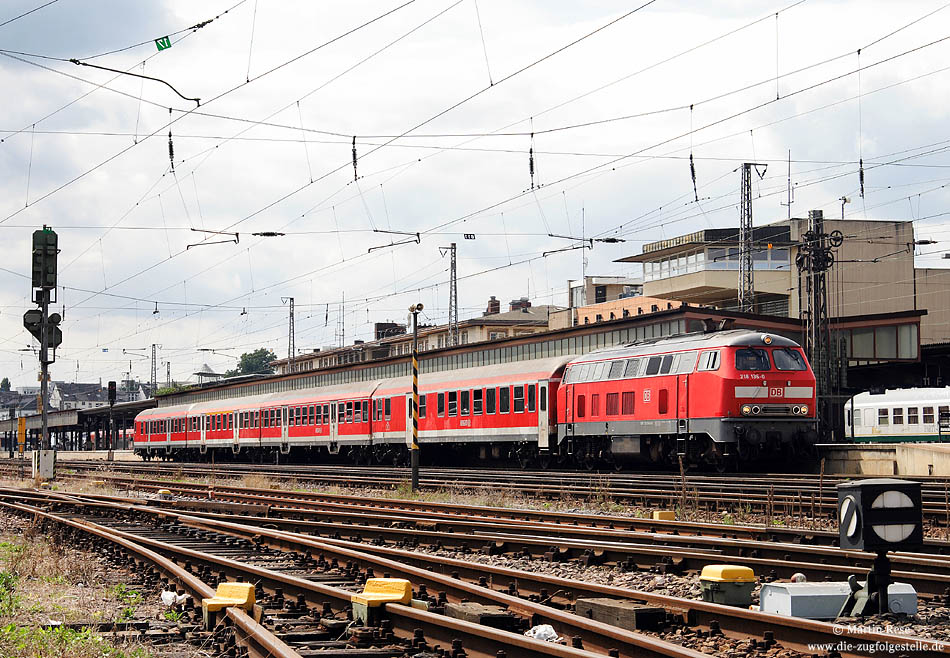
(5, 384)
(254, 363)
(168, 390)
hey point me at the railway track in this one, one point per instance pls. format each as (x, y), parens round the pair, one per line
(806, 495)
(309, 570)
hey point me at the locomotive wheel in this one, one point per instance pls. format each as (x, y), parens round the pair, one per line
(585, 458)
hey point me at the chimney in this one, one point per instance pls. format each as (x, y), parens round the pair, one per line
(519, 304)
(494, 306)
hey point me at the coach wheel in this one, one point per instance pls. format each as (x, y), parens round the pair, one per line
(362, 456)
(524, 454)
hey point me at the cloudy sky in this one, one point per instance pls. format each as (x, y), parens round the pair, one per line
(443, 97)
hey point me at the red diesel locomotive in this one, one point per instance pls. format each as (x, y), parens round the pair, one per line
(708, 397)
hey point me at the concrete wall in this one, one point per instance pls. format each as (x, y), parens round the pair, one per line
(890, 459)
(933, 294)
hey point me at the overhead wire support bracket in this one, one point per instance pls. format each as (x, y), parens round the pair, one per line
(417, 240)
(588, 244)
(389, 231)
(197, 101)
(236, 240)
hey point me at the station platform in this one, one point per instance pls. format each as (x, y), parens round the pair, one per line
(89, 455)
(886, 459)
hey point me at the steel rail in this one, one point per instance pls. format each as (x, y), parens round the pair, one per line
(601, 636)
(259, 641)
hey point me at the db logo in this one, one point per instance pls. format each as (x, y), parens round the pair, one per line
(646, 395)
(776, 392)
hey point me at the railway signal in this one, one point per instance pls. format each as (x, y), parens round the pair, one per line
(879, 515)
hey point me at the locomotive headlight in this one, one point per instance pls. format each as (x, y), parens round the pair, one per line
(767, 339)
(804, 409)
(746, 410)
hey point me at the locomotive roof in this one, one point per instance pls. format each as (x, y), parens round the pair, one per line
(693, 341)
(514, 370)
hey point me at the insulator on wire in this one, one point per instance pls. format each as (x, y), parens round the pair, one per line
(531, 165)
(861, 175)
(171, 150)
(354, 157)
(692, 173)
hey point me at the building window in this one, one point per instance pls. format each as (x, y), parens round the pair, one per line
(600, 294)
(600, 318)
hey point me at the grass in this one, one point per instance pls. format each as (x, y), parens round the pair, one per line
(58, 642)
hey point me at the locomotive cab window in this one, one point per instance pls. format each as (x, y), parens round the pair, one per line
(709, 360)
(752, 358)
(788, 359)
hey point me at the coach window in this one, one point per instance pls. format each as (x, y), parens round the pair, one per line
(653, 365)
(667, 364)
(613, 404)
(340, 413)
(477, 395)
(882, 416)
(504, 399)
(365, 411)
(928, 415)
(441, 405)
(787, 359)
(388, 409)
(519, 400)
(453, 403)
(912, 416)
(580, 407)
(299, 415)
(897, 416)
(595, 405)
(326, 414)
(312, 420)
(489, 400)
(943, 413)
(543, 398)
(616, 370)
(422, 406)
(752, 358)
(628, 402)
(664, 401)
(464, 403)
(349, 412)
(531, 396)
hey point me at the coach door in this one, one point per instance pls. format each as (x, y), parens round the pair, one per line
(203, 428)
(284, 419)
(682, 403)
(235, 432)
(337, 409)
(408, 420)
(543, 420)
